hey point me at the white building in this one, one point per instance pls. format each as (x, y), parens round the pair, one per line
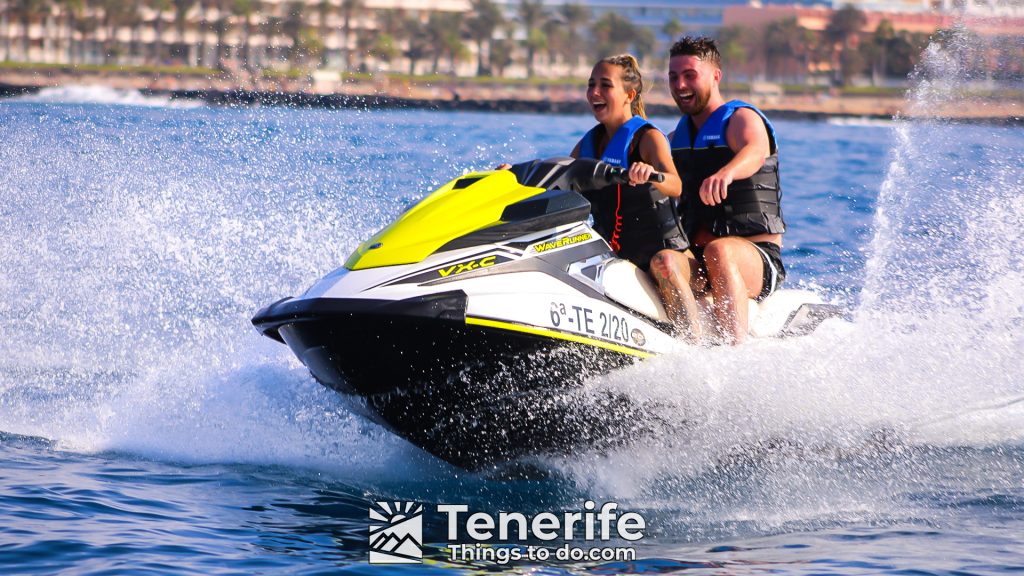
(980, 8)
(696, 16)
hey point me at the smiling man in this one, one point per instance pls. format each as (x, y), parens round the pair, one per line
(727, 156)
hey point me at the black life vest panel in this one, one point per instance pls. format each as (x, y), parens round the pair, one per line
(636, 221)
(753, 205)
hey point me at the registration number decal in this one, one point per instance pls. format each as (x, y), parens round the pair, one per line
(585, 320)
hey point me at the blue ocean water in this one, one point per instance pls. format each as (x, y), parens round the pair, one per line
(146, 427)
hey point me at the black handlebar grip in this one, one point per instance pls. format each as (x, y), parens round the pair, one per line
(619, 174)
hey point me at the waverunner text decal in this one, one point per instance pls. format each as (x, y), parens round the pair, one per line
(562, 242)
(586, 321)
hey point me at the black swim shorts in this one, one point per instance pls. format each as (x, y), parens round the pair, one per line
(774, 271)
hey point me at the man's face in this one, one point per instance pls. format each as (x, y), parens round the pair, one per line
(691, 80)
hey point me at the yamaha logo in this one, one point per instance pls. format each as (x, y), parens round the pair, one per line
(399, 539)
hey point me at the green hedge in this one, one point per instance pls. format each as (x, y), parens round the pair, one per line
(449, 79)
(109, 69)
(290, 74)
(873, 91)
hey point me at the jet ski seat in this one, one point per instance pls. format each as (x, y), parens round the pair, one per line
(628, 285)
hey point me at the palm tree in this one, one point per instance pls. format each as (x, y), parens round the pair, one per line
(501, 55)
(324, 8)
(504, 48)
(785, 41)
(160, 6)
(25, 11)
(486, 17)
(532, 16)
(220, 27)
(206, 25)
(6, 16)
(441, 28)
(845, 25)
(905, 51)
(673, 29)
(181, 10)
(382, 47)
(644, 42)
(754, 62)
(731, 46)
(70, 11)
(6, 32)
(391, 21)
(556, 39)
(136, 24)
(271, 28)
(454, 48)
(418, 42)
(85, 26)
(116, 13)
(310, 48)
(350, 9)
(246, 9)
(878, 49)
(292, 26)
(612, 34)
(575, 17)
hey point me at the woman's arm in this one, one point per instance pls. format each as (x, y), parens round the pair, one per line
(657, 157)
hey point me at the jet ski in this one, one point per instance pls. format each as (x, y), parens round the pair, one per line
(470, 324)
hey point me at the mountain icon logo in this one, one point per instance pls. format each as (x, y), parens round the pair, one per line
(399, 539)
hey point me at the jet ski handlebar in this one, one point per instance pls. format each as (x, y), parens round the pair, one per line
(573, 173)
(620, 175)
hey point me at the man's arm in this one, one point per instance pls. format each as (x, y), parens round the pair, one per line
(747, 136)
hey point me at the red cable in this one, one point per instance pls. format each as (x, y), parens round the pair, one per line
(618, 219)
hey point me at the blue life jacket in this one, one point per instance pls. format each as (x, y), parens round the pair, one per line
(617, 150)
(752, 205)
(637, 221)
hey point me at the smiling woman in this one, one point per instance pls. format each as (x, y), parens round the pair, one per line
(637, 220)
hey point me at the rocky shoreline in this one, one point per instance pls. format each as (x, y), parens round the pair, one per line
(461, 96)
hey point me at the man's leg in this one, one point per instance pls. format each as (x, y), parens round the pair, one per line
(676, 273)
(736, 273)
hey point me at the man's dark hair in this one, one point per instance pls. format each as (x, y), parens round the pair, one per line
(702, 47)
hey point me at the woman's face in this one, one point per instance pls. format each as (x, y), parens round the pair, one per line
(607, 95)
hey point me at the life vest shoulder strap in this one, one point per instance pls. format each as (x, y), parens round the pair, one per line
(712, 133)
(617, 150)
